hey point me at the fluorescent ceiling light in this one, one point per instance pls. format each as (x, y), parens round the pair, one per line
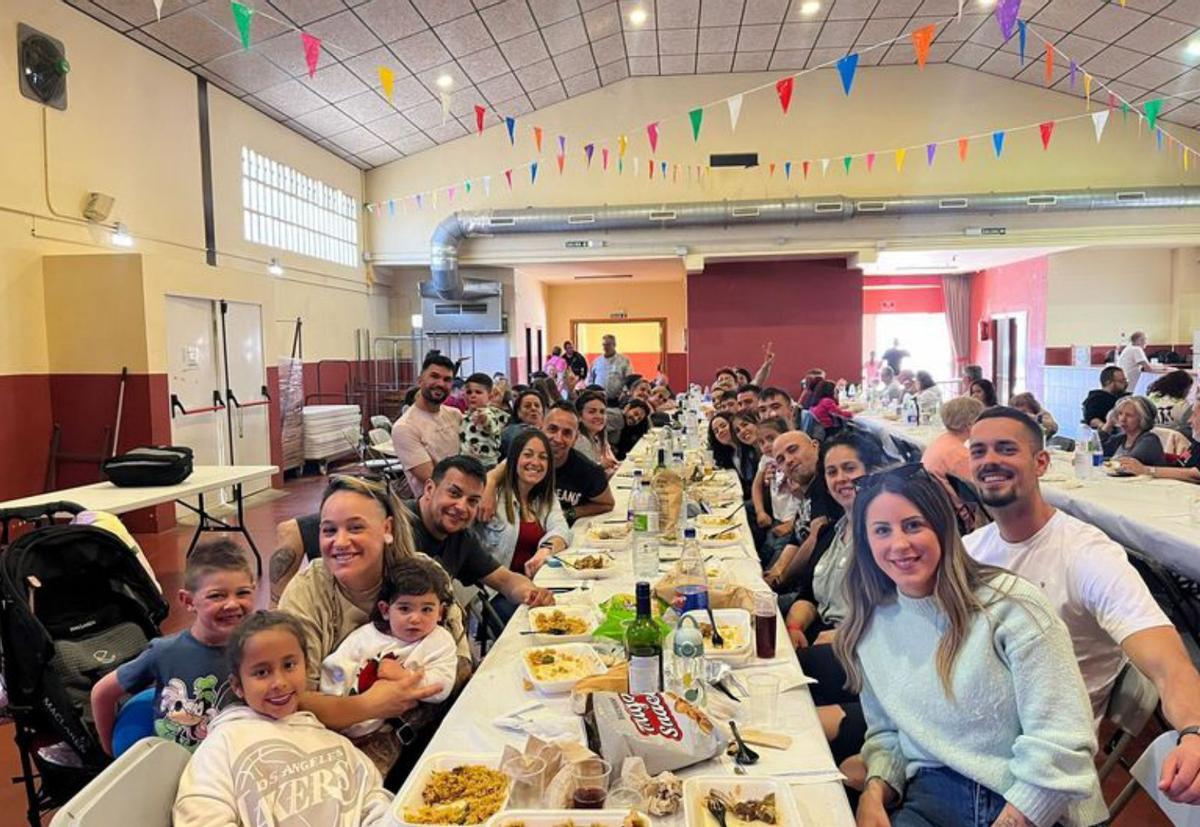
(121, 236)
(809, 8)
(445, 82)
(637, 16)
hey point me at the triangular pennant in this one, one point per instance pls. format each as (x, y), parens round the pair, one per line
(445, 106)
(479, 113)
(824, 166)
(998, 142)
(1006, 16)
(467, 186)
(652, 134)
(1021, 40)
(663, 169)
(650, 166)
(771, 170)
(804, 168)
(242, 16)
(562, 144)
(433, 197)
(783, 88)
(1099, 120)
(1049, 64)
(696, 116)
(930, 151)
(846, 161)
(622, 144)
(1087, 90)
(537, 138)
(1046, 129)
(787, 170)
(846, 67)
(901, 154)
(1071, 73)
(562, 159)
(604, 159)
(158, 8)
(588, 151)
(510, 123)
(487, 185)
(387, 79)
(963, 144)
(533, 172)
(508, 177)
(312, 50)
(1124, 110)
(922, 38)
(620, 166)
(1152, 108)
(1112, 100)
(674, 173)
(870, 161)
(735, 111)
(1158, 136)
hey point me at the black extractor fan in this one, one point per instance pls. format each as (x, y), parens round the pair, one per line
(42, 64)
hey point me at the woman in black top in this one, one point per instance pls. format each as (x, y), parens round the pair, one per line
(721, 440)
(745, 433)
(1135, 416)
(1190, 469)
(637, 422)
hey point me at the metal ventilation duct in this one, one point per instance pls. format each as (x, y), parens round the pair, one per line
(450, 233)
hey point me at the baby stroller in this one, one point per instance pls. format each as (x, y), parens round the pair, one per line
(75, 604)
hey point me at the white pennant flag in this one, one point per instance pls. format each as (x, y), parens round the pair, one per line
(487, 185)
(824, 166)
(960, 5)
(1099, 119)
(735, 111)
(158, 8)
(445, 107)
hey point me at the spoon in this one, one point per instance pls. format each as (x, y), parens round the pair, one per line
(717, 808)
(745, 755)
(717, 640)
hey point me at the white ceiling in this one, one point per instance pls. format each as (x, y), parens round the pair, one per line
(928, 262)
(516, 56)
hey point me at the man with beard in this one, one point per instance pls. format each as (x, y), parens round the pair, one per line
(773, 403)
(581, 485)
(440, 521)
(1106, 606)
(1100, 401)
(748, 397)
(428, 431)
(576, 363)
(796, 454)
(610, 369)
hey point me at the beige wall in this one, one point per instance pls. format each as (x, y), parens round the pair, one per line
(529, 310)
(565, 302)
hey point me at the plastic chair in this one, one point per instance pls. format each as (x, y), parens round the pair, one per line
(378, 436)
(1172, 441)
(1130, 706)
(138, 788)
(380, 421)
(134, 722)
(1145, 775)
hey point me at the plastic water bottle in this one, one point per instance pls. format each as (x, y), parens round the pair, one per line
(633, 492)
(912, 415)
(1082, 458)
(692, 589)
(1097, 451)
(645, 532)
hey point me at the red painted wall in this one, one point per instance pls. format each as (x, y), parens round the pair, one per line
(810, 310)
(25, 426)
(896, 294)
(1012, 288)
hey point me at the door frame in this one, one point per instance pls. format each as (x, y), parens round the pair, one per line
(662, 333)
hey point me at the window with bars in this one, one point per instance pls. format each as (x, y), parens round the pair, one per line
(286, 209)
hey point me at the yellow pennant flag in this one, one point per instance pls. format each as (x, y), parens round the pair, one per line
(1087, 90)
(387, 79)
(1186, 153)
(900, 155)
(622, 143)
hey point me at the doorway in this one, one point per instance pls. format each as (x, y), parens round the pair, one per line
(1008, 354)
(644, 341)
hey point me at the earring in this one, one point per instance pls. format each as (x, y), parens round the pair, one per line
(387, 538)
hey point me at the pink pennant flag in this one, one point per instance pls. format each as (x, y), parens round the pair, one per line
(870, 160)
(604, 159)
(479, 113)
(508, 177)
(450, 193)
(652, 134)
(312, 51)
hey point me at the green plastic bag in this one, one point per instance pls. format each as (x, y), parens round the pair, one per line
(618, 614)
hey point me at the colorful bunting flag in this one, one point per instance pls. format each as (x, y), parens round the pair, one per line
(922, 38)
(963, 144)
(901, 154)
(1152, 108)
(1006, 16)
(622, 143)
(450, 192)
(735, 111)
(1049, 64)
(824, 166)
(804, 169)
(650, 166)
(508, 177)
(467, 186)
(387, 79)
(392, 206)
(696, 116)
(537, 138)
(604, 159)
(1020, 40)
(787, 170)
(1046, 129)
(846, 67)
(562, 159)
(510, 123)
(479, 113)
(783, 88)
(1112, 100)
(652, 134)
(533, 172)
(158, 8)
(1099, 120)
(870, 161)
(1074, 70)
(846, 160)
(588, 151)
(663, 168)
(771, 170)
(930, 151)
(1158, 136)
(1087, 90)
(998, 142)
(312, 50)
(242, 16)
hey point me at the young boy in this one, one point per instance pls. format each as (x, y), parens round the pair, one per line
(482, 424)
(187, 669)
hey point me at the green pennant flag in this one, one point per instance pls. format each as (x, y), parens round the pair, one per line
(1125, 110)
(696, 116)
(468, 186)
(846, 163)
(1152, 108)
(241, 16)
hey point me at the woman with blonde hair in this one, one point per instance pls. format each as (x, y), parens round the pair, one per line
(975, 709)
(1135, 416)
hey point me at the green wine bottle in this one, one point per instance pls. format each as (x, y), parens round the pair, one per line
(643, 647)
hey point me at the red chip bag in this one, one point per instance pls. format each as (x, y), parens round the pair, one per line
(662, 729)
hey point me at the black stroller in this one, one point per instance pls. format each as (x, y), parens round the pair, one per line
(75, 603)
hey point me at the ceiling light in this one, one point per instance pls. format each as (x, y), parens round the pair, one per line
(637, 16)
(445, 82)
(987, 4)
(1193, 48)
(809, 7)
(274, 267)
(121, 236)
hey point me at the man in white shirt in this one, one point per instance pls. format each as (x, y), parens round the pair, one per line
(1103, 601)
(428, 431)
(1132, 359)
(611, 369)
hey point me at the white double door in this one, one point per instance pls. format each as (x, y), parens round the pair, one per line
(217, 377)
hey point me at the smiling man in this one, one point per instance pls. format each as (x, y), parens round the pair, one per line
(581, 485)
(796, 455)
(428, 431)
(1106, 606)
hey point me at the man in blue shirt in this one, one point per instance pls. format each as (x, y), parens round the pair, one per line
(610, 369)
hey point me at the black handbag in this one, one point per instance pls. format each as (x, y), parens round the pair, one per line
(151, 465)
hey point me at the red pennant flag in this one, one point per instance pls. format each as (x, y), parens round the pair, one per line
(1112, 101)
(922, 39)
(537, 137)
(562, 159)
(479, 113)
(1047, 129)
(962, 148)
(783, 88)
(650, 163)
(870, 160)
(771, 168)
(675, 173)
(508, 177)
(1049, 64)
(652, 134)
(312, 51)
(604, 159)
(804, 167)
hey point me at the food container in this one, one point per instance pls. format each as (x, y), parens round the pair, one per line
(607, 535)
(696, 789)
(569, 562)
(410, 794)
(740, 619)
(592, 666)
(584, 613)
(558, 818)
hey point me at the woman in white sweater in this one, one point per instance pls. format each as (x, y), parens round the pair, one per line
(976, 712)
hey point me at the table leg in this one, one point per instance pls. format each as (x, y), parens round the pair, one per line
(201, 525)
(205, 522)
(241, 526)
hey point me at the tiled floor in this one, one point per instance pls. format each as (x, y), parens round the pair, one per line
(166, 554)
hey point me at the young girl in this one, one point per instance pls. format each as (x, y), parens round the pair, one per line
(267, 764)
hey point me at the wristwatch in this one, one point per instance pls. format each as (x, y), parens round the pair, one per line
(569, 513)
(1187, 730)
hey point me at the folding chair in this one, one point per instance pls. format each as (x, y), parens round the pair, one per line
(380, 421)
(483, 623)
(378, 436)
(1145, 773)
(1130, 707)
(138, 788)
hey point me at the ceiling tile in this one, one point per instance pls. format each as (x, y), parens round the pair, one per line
(839, 33)
(537, 75)
(798, 35)
(1151, 6)
(366, 107)
(335, 83)
(718, 39)
(1155, 35)
(824, 57)
(989, 35)
(1187, 83)
(627, 7)
(379, 155)
(356, 139)
(344, 35)
(789, 58)
(1066, 14)
(500, 88)
(547, 95)
(643, 65)
(602, 22)
(575, 62)
(508, 19)
(678, 14)
(552, 11)
(1080, 49)
(484, 64)
(565, 35)
(878, 31)
(820, 14)
(249, 70)
(758, 38)
(714, 62)
(609, 49)
(108, 18)
(1113, 62)
(192, 34)
(940, 8)
(161, 48)
(420, 51)
(426, 115)
(285, 52)
(464, 35)
(526, 49)
(898, 8)
(588, 5)
(366, 66)
(751, 61)
(1153, 73)
(439, 11)
(391, 19)
(268, 110)
(852, 9)
(1002, 63)
(721, 12)
(1188, 115)
(612, 72)
(641, 43)
(517, 106)
(582, 83)
(677, 64)
(971, 54)
(1110, 23)
(764, 11)
(1035, 44)
(677, 41)
(1185, 11)
(413, 143)
(392, 127)
(326, 121)
(447, 131)
(303, 12)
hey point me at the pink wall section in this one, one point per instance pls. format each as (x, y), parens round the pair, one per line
(1009, 289)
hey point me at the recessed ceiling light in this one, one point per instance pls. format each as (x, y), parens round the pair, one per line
(445, 82)
(637, 16)
(987, 4)
(809, 7)
(1193, 48)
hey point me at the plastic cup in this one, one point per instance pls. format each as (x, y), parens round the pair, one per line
(589, 784)
(764, 698)
(528, 777)
(624, 798)
(766, 608)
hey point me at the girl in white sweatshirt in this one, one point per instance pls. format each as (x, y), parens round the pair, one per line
(267, 764)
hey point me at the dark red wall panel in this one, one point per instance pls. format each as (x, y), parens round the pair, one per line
(25, 427)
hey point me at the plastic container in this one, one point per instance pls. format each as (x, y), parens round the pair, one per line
(582, 612)
(567, 560)
(557, 687)
(742, 621)
(410, 794)
(556, 818)
(696, 789)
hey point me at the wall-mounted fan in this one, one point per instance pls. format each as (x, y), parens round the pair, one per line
(42, 66)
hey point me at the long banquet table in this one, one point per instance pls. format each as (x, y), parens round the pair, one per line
(497, 687)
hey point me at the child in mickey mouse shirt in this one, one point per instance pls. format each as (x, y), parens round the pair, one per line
(405, 626)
